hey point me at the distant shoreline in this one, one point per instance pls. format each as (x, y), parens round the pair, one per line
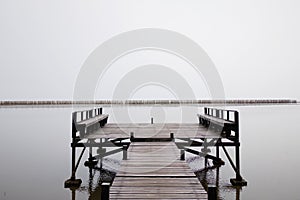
(154, 102)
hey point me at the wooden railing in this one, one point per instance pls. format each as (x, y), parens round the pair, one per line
(224, 121)
(85, 122)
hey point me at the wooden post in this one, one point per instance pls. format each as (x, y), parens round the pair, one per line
(182, 154)
(105, 191)
(73, 182)
(217, 151)
(228, 115)
(124, 152)
(237, 146)
(151, 120)
(74, 116)
(212, 192)
(131, 135)
(81, 116)
(172, 136)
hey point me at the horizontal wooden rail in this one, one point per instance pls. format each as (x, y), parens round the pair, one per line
(88, 121)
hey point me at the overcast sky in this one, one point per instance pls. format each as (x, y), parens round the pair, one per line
(254, 45)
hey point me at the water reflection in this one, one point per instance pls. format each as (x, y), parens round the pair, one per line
(210, 175)
(96, 176)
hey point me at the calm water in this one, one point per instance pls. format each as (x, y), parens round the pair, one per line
(35, 152)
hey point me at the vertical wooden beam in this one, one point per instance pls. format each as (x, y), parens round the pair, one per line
(237, 146)
(124, 152)
(182, 154)
(212, 192)
(105, 191)
(131, 135)
(172, 136)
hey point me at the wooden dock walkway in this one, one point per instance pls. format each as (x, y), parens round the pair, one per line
(154, 170)
(153, 165)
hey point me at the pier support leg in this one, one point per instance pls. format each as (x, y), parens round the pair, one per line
(212, 192)
(73, 182)
(105, 191)
(91, 162)
(73, 191)
(238, 180)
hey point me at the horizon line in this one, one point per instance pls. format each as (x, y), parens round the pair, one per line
(94, 102)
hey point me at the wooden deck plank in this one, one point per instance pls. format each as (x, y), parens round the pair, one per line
(158, 196)
(153, 171)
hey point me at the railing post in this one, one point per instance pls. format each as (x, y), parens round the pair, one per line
(81, 116)
(217, 113)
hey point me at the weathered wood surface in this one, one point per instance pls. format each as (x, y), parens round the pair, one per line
(91, 121)
(154, 171)
(180, 130)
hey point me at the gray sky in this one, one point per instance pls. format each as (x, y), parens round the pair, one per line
(253, 44)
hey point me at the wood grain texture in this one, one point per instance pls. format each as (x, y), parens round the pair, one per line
(188, 130)
(153, 171)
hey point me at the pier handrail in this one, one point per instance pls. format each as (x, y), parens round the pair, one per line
(87, 121)
(220, 120)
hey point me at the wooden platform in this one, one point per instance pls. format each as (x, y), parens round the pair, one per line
(180, 130)
(153, 171)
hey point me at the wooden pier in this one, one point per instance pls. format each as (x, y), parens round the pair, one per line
(154, 171)
(153, 165)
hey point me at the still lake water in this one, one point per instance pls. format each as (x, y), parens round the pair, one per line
(35, 151)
